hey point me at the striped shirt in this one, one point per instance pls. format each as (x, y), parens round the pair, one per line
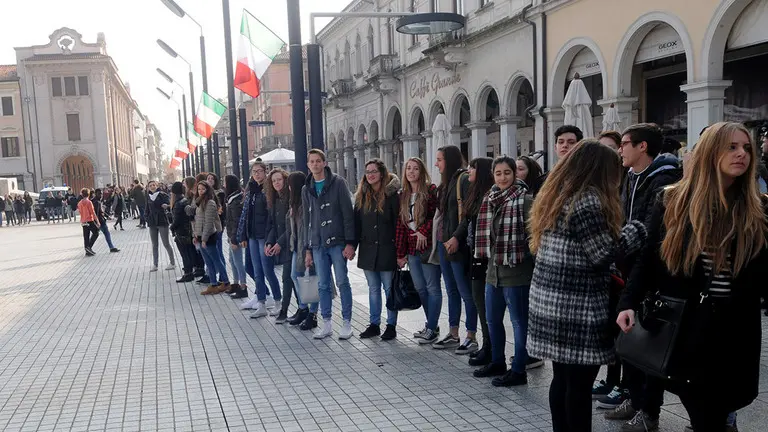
(721, 282)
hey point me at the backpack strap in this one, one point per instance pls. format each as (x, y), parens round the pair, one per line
(459, 198)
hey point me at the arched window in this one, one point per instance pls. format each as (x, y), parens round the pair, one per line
(358, 55)
(347, 70)
(371, 52)
(337, 73)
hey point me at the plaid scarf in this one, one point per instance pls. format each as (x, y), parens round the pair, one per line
(511, 240)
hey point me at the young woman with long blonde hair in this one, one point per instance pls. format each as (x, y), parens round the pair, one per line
(707, 245)
(576, 234)
(413, 242)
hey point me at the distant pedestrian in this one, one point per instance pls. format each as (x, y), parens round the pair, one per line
(155, 217)
(18, 208)
(98, 208)
(8, 207)
(89, 222)
(28, 204)
(181, 227)
(119, 202)
(140, 200)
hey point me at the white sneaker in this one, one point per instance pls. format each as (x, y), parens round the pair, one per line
(324, 331)
(259, 311)
(249, 304)
(346, 331)
(270, 303)
(275, 311)
(153, 268)
(171, 267)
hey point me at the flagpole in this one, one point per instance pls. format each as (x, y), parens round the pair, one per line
(216, 163)
(231, 91)
(181, 134)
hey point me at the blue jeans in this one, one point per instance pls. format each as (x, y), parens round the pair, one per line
(324, 258)
(236, 260)
(142, 219)
(295, 277)
(457, 288)
(426, 279)
(377, 280)
(214, 265)
(220, 245)
(264, 271)
(516, 300)
(107, 236)
(731, 419)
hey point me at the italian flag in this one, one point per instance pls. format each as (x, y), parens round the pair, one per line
(258, 47)
(181, 151)
(175, 162)
(209, 113)
(194, 139)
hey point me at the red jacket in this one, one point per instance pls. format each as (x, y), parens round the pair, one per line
(405, 242)
(85, 208)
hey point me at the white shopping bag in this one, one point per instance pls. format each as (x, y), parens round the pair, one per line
(307, 291)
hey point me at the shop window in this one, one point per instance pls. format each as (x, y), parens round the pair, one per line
(746, 100)
(7, 106)
(666, 104)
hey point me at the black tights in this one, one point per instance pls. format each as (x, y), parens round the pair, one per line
(478, 295)
(570, 397)
(705, 410)
(119, 220)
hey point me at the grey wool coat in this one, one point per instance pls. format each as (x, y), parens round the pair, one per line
(569, 319)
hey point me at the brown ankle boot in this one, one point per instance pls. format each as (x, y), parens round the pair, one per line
(212, 289)
(222, 287)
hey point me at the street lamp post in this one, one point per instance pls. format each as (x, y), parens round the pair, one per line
(231, 90)
(178, 107)
(297, 86)
(407, 22)
(179, 12)
(184, 103)
(197, 163)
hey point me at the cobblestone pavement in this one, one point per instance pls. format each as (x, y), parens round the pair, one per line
(102, 344)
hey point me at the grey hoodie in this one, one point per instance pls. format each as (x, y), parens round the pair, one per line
(329, 217)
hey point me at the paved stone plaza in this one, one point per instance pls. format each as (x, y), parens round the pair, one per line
(102, 344)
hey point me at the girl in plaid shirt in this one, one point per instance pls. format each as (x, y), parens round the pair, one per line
(413, 241)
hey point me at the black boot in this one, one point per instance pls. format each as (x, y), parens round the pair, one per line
(390, 333)
(240, 292)
(310, 322)
(186, 278)
(491, 369)
(299, 317)
(371, 331)
(199, 272)
(204, 280)
(483, 356)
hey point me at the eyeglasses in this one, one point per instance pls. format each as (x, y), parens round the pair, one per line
(371, 172)
(625, 143)
(259, 171)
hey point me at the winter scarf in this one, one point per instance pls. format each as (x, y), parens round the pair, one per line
(152, 196)
(511, 241)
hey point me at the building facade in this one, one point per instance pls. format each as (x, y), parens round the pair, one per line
(140, 144)
(501, 80)
(274, 104)
(154, 151)
(81, 113)
(14, 148)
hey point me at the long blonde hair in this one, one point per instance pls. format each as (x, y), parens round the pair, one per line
(715, 217)
(422, 194)
(588, 166)
(366, 198)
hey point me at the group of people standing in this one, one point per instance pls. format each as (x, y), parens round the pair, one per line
(17, 209)
(571, 254)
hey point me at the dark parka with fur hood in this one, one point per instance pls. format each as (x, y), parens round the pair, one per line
(375, 231)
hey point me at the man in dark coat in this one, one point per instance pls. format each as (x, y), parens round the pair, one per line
(649, 172)
(139, 197)
(98, 207)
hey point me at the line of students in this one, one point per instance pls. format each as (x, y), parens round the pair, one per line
(549, 260)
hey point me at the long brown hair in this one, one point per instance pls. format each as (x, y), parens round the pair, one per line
(715, 217)
(190, 183)
(481, 185)
(588, 166)
(454, 161)
(208, 196)
(422, 194)
(270, 191)
(367, 199)
(295, 184)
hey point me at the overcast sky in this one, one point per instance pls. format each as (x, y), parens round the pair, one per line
(131, 29)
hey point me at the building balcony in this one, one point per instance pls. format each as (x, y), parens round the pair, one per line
(447, 50)
(341, 93)
(381, 73)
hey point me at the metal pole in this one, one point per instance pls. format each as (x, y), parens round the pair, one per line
(205, 83)
(192, 109)
(297, 85)
(315, 96)
(216, 161)
(186, 133)
(114, 137)
(243, 141)
(181, 134)
(231, 89)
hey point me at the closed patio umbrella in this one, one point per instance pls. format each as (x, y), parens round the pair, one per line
(441, 137)
(611, 120)
(576, 105)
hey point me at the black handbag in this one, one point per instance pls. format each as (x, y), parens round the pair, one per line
(654, 345)
(402, 293)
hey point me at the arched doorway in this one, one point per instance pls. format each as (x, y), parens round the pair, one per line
(393, 132)
(652, 66)
(461, 115)
(77, 173)
(357, 160)
(488, 110)
(340, 143)
(519, 108)
(417, 127)
(735, 49)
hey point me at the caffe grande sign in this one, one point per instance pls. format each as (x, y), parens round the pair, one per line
(424, 86)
